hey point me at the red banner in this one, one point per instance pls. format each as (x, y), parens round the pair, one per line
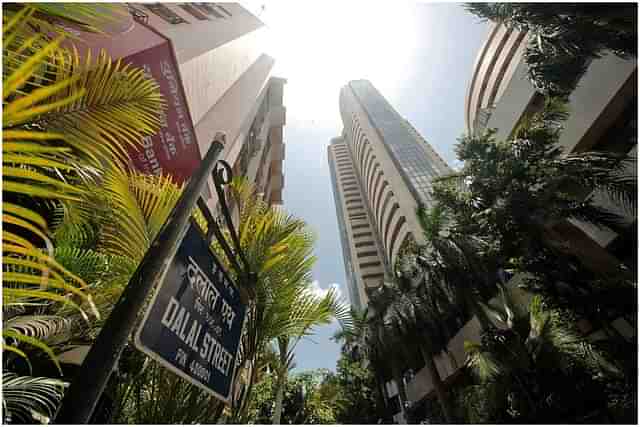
(174, 149)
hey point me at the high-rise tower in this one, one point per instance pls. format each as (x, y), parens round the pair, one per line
(382, 171)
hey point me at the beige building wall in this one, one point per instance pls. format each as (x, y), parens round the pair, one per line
(602, 94)
(382, 170)
(362, 254)
(391, 203)
(226, 77)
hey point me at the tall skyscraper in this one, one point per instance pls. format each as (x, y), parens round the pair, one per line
(382, 171)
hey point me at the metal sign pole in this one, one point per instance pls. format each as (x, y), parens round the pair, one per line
(82, 396)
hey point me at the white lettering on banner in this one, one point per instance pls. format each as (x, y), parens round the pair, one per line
(182, 124)
(170, 143)
(213, 352)
(176, 318)
(154, 165)
(201, 285)
(227, 314)
(146, 70)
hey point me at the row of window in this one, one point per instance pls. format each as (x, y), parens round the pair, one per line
(384, 211)
(405, 150)
(365, 243)
(354, 202)
(200, 11)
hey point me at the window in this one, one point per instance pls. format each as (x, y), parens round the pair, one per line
(224, 10)
(361, 244)
(353, 227)
(370, 264)
(394, 209)
(194, 12)
(363, 234)
(367, 253)
(394, 234)
(165, 13)
(208, 9)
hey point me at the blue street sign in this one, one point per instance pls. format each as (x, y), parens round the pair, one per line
(195, 319)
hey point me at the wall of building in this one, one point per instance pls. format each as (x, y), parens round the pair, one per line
(605, 90)
(364, 266)
(393, 187)
(212, 33)
(208, 76)
(225, 74)
(234, 112)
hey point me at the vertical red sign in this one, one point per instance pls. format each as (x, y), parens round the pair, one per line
(174, 149)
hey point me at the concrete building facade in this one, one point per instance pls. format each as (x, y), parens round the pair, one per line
(382, 171)
(603, 113)
(228, 85)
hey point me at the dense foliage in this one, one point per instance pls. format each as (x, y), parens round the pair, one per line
(64, 121)
(310, 397)
(509, 196)
(512, 194)
(77, 222)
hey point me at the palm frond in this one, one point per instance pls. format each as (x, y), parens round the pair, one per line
(607, 171)
(47, 329)
(27, 400)
(551, 333)
(138, 206)
(602, 218)
(482, 363)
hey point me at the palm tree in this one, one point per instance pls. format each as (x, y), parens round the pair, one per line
(361, 346)
(414, 316)
(316, 311)
(461, 268)
(278, 248)
(533, 368)
(516, 191)
(63, 121)
(564, 37)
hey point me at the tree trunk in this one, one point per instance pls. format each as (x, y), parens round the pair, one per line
(438, 385)
(277, 412)
(381, 397)
(397, 377)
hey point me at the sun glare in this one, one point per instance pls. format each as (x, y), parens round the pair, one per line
(320, 46)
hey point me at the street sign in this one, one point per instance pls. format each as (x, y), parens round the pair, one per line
(194, 322)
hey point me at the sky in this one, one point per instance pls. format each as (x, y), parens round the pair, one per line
(420, 56)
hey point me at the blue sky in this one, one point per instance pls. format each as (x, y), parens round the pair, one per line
(419, 55)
